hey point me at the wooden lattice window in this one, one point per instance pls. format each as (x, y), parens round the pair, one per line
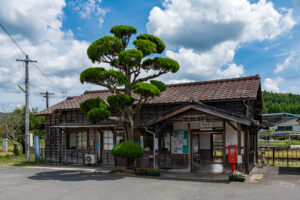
(77, 140)
(108, 140)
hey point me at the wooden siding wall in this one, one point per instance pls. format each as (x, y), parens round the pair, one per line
(238, 107)
(56, 139)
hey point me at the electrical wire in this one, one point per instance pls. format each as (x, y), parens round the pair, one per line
(54, 84)
(12, 39)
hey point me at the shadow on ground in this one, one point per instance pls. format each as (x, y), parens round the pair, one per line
(65, 175)
(289, 171)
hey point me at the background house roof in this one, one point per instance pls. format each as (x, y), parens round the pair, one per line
(215, 90)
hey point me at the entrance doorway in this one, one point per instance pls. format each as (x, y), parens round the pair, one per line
(207, 151)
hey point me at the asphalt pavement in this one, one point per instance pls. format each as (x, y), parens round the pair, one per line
(32, 183)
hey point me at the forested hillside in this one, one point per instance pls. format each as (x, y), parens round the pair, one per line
(279, 102)
(2, 114)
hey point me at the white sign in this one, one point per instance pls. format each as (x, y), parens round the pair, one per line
(240, 159)
(204, 125)
(31, 139)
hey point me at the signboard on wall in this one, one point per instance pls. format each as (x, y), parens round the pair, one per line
(204, 125)
(180, 142)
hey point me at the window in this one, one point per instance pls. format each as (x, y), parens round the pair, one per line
(77, 140)
(108, 140)
(119, 139)
(285, 128)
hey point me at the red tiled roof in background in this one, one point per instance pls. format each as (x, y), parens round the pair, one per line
(223, 89)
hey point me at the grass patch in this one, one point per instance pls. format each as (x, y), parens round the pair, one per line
(10, 147)
(8, 159)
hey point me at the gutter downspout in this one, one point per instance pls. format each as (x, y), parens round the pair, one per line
(154, 149)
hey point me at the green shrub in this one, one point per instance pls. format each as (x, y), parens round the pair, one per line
(16, 151)
(116, 171)
(128, 150)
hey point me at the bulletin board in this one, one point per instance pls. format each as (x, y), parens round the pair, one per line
(181, 142)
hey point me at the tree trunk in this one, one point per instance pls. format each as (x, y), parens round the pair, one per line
(129, 124)
(16, 150)
(130, 129)
(23, 147)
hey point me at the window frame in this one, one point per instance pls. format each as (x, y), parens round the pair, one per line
(79, 138)
(108, 140)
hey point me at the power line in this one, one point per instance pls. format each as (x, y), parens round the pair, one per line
(54, 84)
(12, 39)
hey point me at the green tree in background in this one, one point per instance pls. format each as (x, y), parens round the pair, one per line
(128, 78)
(279, 102)
(12, 126)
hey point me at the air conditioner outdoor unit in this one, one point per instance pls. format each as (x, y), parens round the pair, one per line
(90, 159)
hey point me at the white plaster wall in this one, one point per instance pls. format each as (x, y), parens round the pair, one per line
(195, 125)
(180, 126)
(292, 122)
(231, 134)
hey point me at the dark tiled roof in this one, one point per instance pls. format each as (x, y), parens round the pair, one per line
(215, 90)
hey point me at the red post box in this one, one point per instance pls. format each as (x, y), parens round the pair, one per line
(232, 156)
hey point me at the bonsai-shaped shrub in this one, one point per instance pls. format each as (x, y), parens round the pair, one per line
(128, 150)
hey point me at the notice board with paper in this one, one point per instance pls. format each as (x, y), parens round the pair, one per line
(181, 142)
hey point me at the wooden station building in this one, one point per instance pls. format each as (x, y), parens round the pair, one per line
(193, 123)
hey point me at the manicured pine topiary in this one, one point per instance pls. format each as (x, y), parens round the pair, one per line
(125, 79)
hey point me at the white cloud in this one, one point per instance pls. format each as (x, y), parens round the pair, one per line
(206, 65)
(89, 8)
(204, 35)
(59, 55)
(178, 81)
(272, 84)
(31, 19)
(233, 70)
(286, 64)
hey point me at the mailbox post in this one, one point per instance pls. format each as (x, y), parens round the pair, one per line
(232, 156)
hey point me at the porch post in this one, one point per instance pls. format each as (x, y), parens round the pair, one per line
(224, 146)
(246, 150)
(191, 163)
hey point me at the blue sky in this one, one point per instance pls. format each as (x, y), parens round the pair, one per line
(210, 39)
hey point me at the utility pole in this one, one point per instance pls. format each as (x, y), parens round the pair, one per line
(27, 61)
(47, 97)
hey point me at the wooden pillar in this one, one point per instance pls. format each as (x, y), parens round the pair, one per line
(224, 146)
(61, 145)
(191, 163)
(246, 151)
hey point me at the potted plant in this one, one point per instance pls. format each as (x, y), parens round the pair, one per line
(147, 172)
(154, 172)
(237, 176)
(141, 171)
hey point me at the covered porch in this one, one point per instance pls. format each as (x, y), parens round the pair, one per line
(195, 137)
